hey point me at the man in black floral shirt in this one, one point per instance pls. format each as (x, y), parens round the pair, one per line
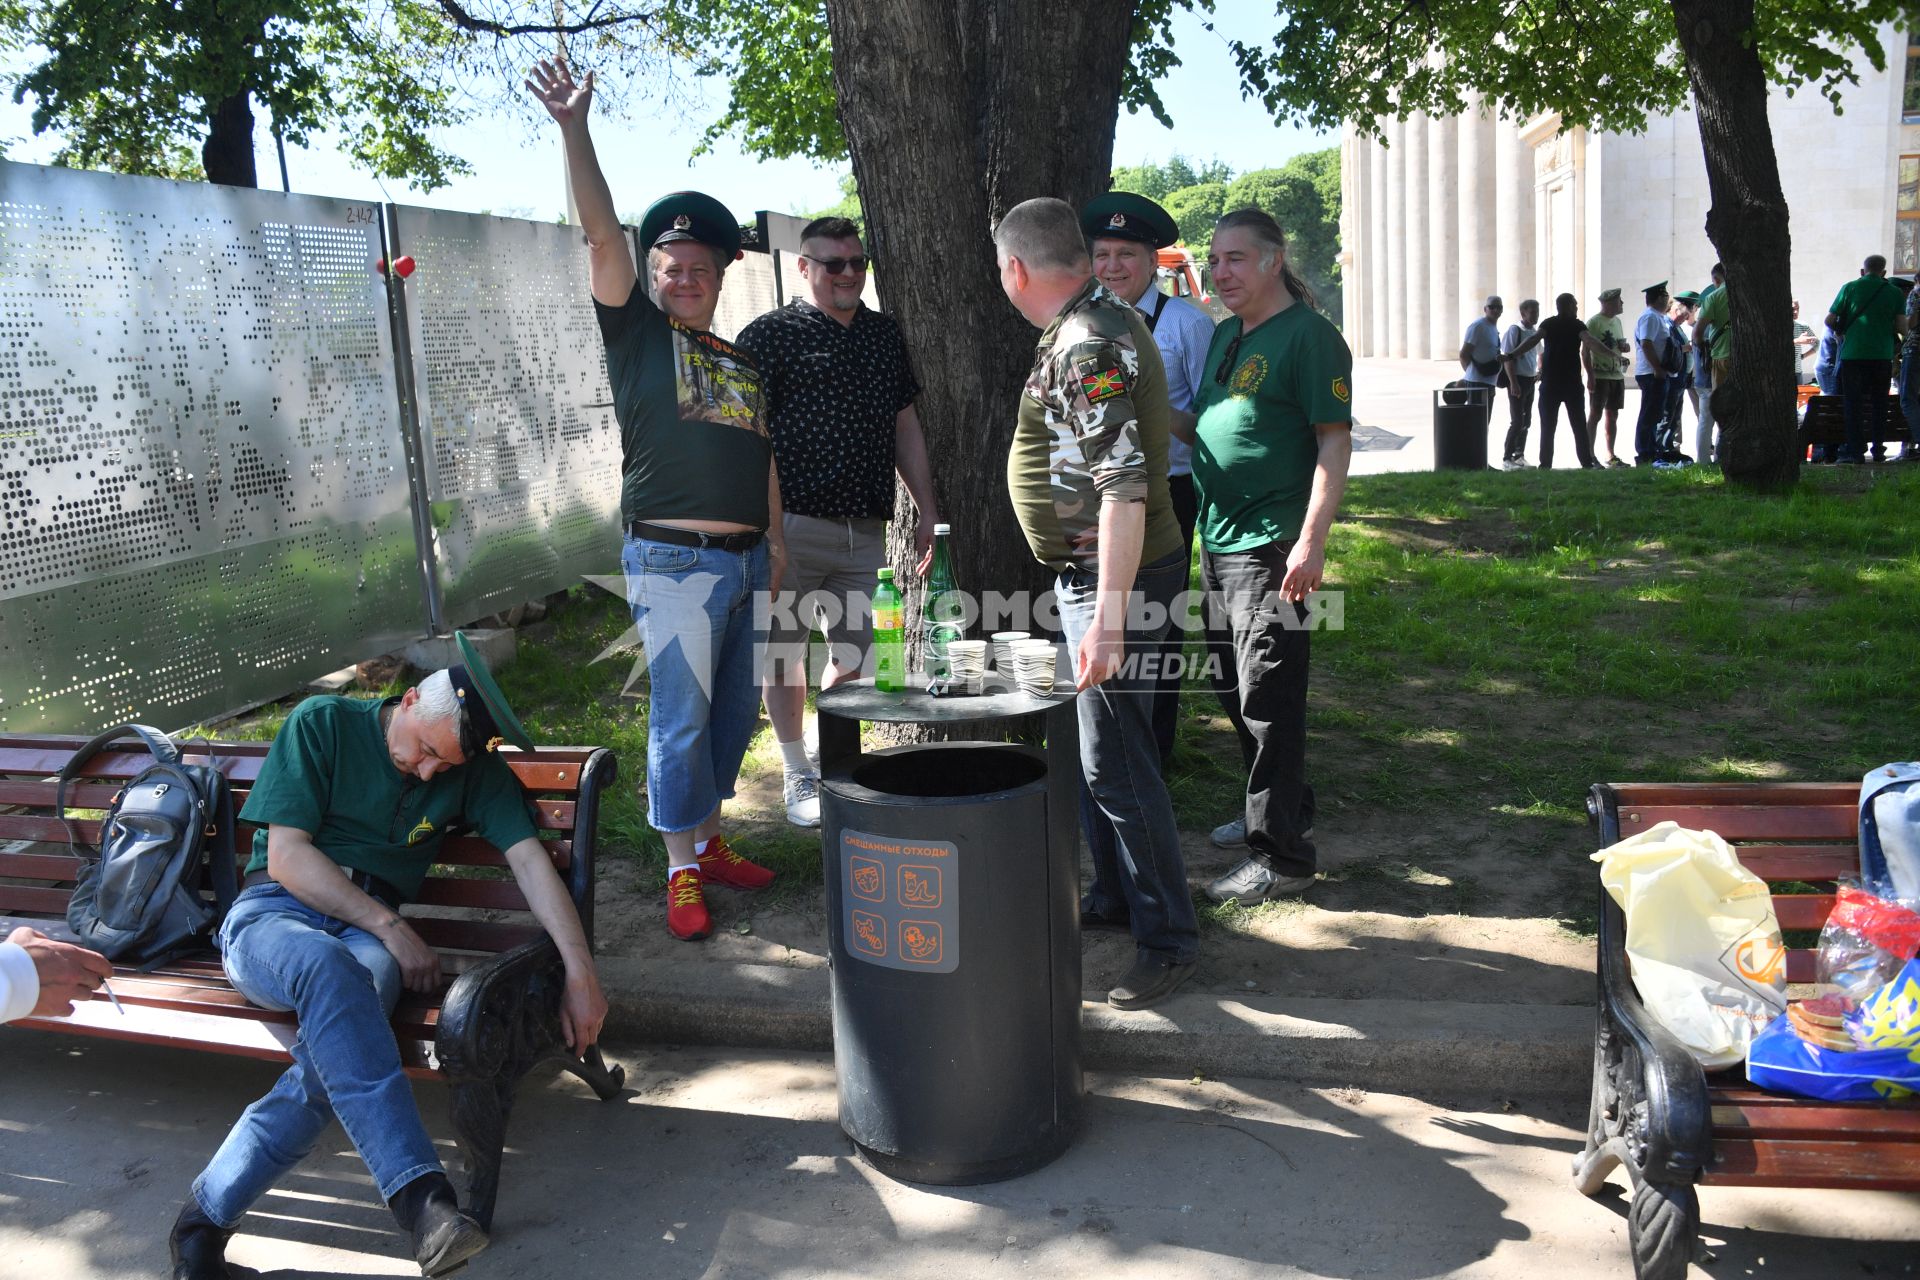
(840, 392)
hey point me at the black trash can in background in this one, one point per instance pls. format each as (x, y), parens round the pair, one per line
(954, 936)
(1460, 419)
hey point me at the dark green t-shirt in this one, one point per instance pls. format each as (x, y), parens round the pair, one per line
(693, 418)
(1869, 306)
(328, 773)
(1255, 446)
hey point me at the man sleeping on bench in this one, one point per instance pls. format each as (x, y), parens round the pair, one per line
(353, 800)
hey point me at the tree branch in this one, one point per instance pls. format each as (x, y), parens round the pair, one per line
(458, 15)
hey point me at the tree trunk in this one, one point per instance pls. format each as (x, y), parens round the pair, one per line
(1748, 225)
(227, 154)
(954, 112)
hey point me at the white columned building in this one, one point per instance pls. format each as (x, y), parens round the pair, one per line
(1445, 212)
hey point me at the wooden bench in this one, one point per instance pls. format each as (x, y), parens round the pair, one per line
(1655, 1111)
(495, 1019)
(1825, 423)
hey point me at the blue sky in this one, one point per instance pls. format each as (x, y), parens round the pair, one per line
(517, 166)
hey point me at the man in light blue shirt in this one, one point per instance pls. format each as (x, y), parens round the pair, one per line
(1124, 231)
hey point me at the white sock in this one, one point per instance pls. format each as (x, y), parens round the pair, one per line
(794, 756)
(674, 868)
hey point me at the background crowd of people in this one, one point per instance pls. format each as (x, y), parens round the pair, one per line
(1679, 351)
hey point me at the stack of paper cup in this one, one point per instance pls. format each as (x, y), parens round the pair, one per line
(1003, 650)
(969, 661)
(1033, 665)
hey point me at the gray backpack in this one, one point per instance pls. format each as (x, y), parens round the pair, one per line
(163, 876)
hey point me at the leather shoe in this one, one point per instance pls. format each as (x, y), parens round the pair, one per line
(443, 1237)
(1104, 923)
(198, 1247)
(1152, 979)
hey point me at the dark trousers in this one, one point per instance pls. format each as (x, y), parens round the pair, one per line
(1653, 408)
(1125, 811)
(1519, 412)
(1574, 398)
(1166, 696)
(1260, 674)
(1670, 424)
(1864, 387)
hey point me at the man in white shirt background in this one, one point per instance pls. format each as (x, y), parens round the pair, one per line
(1523, 372)
(1651, 335)
(1125, 232)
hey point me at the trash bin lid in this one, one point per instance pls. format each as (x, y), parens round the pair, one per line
(859, 700)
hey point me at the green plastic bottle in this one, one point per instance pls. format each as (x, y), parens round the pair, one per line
(889, 641)
(944, 612)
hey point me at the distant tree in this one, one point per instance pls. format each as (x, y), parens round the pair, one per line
(1158, 181)
(848, 205)
(1195, 209)
(1303, 196)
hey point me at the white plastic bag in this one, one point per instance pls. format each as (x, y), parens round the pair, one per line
(1701, 936)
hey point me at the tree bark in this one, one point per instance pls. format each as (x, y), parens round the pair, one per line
(1747, 223)
(227, 154)
(954, 112)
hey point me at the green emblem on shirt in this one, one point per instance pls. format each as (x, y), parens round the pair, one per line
(422, 830)
(1248, 377)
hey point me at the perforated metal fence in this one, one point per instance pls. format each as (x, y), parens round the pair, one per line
(210, 488)
(203, 500)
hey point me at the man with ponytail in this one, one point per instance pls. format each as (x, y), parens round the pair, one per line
(1271, 447)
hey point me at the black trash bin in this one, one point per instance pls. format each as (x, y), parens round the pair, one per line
(1460, 419)
(954, 938)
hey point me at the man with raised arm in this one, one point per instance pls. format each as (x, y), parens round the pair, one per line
(699, 496)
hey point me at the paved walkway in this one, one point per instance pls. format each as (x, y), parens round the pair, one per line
(1397, 396)
(729, 1165)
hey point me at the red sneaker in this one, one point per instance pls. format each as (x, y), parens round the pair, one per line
(721, 865)
(687, 916)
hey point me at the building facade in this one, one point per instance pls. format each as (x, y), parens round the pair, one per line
(1442, 212)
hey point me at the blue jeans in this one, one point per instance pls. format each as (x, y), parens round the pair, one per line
(698, 612)
(343, 983)
(1125, 810)
(1653, 408)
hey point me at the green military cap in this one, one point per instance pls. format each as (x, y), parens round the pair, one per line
(1123, 215)
(1687, 296)
(1609, 295)
(1652, 289)
(690, 215)
(485, 717)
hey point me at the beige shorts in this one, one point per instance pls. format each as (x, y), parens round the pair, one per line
(827, 587)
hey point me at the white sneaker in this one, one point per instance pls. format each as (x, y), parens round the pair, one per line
(803, 799)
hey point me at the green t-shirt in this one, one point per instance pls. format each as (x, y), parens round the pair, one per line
(1868, 306)
(328, 773)
(1255, 447)
(1716, 314)
(693, 418)
(1607, 329)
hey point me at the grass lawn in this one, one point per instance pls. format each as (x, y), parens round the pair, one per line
(1509, 638)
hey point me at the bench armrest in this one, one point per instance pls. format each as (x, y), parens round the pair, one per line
(1673, 1127)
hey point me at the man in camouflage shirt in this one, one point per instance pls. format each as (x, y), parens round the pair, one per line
(1088, 477)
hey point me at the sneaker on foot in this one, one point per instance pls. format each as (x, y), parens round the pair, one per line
(687, 917)
(803, 799)
(1617, 462)
(1254, 881)
(721, 865)
(1152, 979)
(1230, 835)
(1514, 464)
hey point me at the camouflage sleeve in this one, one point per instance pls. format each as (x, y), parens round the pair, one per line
(1093, 389)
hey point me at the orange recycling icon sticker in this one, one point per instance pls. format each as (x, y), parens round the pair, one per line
(919, 886)
(920, 941)
(869, 934)
(869, 880)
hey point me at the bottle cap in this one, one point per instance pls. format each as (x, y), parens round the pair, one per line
(886, 575)
(939, 529)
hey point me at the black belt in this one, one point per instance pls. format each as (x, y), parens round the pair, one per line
(744, 541)
(366, 880)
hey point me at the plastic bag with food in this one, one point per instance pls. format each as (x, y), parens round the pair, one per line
(1866, 939)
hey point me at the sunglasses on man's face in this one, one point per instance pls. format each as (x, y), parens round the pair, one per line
(834, 266)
